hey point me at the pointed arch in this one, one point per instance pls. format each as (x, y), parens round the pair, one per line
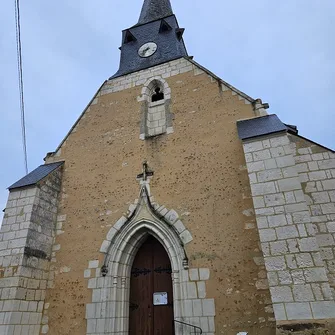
(125, 244)
(109, 310)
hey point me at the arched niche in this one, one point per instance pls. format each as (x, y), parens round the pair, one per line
(156, 117)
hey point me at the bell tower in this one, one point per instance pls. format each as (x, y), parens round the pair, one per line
(155, 39)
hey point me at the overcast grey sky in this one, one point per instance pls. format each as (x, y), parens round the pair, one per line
(279, 51)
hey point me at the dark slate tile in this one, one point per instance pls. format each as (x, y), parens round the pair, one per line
(259, 126)
(35, 176)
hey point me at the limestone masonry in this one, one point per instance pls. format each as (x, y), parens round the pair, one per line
(242, 206)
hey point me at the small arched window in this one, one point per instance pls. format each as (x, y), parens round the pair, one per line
(158, 95)
(156, 116)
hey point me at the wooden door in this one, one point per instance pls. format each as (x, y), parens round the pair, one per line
(150, 274)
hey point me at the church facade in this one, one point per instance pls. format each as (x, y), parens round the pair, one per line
(175, 205)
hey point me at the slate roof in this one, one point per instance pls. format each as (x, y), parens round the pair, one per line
(259, 126)
(169, 46)
(35, 176)
(154, 9)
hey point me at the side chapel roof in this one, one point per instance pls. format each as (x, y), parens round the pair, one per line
(36, 175)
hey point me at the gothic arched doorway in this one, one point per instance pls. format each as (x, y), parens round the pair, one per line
(151, 295)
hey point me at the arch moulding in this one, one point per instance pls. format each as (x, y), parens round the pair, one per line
(109, 311)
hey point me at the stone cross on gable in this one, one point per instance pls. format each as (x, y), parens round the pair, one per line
(146, 172)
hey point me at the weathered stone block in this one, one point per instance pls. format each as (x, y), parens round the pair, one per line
(303, 293)
(279, 141)
(255, 166)
(315, 275)
(262, 222)
(279, 311)
(289, 184)
(284, 277)
(269, 175)
(194, 274)
(263, 188)
(253, 146)
(267, 235)
(325, 240)
(285, 161)
(201, 289)
(331, 227)
(281, 294)
(298, 311)
(278, 248)
(328, 208)
(186, 237)
(323, 309)
(270, 164)
(277, 220)
(287, 232)
(208, 307)
(93, 264)
(261, 155)
(308, 244)
(204, 274)
(317, 175)
(275, 263)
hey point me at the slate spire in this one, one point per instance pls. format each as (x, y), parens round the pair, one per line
(155, 9)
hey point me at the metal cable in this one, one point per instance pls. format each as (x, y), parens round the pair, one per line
(20, 73)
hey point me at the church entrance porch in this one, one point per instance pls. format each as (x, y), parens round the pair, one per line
(151, 294)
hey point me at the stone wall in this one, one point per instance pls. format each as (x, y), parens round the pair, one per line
(27, 235)
(299, 286)
(199, 170)
(316, 167)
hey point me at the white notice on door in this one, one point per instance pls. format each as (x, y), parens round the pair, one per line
(160, 298)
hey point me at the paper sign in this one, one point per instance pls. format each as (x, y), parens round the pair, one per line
(160, 298)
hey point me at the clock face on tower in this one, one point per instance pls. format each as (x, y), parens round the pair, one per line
(147, 49)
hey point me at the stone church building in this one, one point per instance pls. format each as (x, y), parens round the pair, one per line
(175, 205)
